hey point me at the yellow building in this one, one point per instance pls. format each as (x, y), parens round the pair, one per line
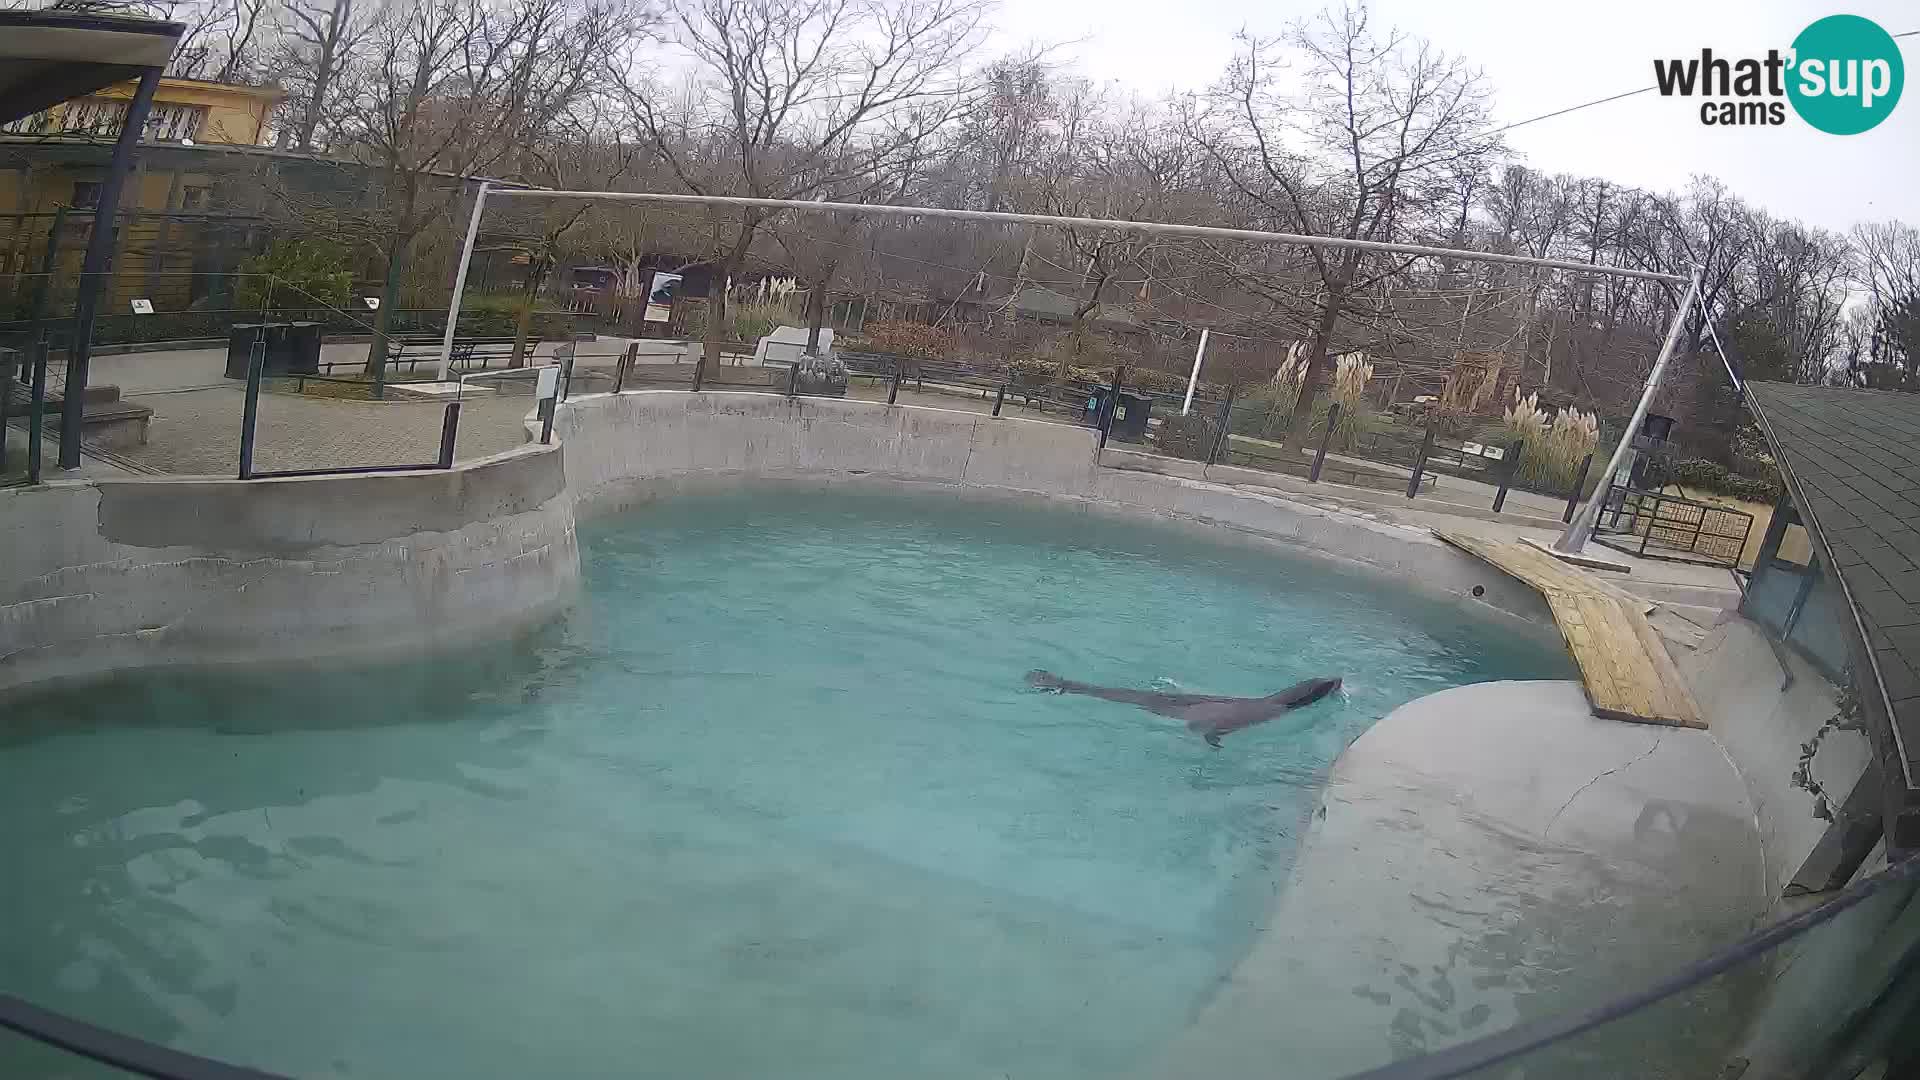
(184, 111)
(180, 235)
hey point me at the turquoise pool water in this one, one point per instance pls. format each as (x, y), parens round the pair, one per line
(772, 800)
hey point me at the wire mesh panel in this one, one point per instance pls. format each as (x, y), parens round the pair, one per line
(1670, 527)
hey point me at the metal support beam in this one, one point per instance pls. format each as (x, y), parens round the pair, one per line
(93, 270)
(1580, 530)
(1193, 379)
(1156, 228)
(460, 280)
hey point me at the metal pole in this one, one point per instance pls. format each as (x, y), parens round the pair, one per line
(1580, 530)
(999, 398)
(546, 420)
(37, 419)
(893, 388)
(1579, 482)
(626, 364)
(94, 267)
(1112, 410)
(1224, 435)
(449, 430)
(1320, 457)
(1193, 378)
(1162, 228)
(1506, 477)
(460, 280)
(793, 379)
(250, 412)
(1420, 463)
(6, 404)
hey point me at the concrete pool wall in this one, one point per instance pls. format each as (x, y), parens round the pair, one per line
(107, 575)
(634, 446)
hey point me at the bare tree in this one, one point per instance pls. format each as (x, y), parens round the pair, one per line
(1370, 150)
(788, 99)
(449, 89)
(318, 43)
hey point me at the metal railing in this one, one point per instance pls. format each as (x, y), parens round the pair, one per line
(1673, 528)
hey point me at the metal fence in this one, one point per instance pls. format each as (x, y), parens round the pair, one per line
(1660, 526)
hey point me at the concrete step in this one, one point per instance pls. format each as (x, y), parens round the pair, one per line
(1676, 630)
(1716, 597)
(1700, 615)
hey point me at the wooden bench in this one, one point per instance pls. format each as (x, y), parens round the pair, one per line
(415, 349)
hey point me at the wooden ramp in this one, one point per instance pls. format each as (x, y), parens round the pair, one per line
(1629, 674)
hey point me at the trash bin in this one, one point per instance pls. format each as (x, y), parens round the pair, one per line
(292, 348)
(1129, 420)
(1130, 423)
(240, 339)
(302, 353)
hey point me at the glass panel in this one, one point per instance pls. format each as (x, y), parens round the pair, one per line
(1770, 596)
(1821, 631)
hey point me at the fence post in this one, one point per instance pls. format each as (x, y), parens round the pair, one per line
(1420, 463)
(250, 412)
(1320, 456)
(380, 372)
(449, 430)
(37, 419)
(1223, 428)
(6, 404)
(626, 362)
(1579, 485)
(546, 420)
(1112, 410)
(893, 387)
(999, 398)
(566, 370)
(793, 379)
(1507, 474)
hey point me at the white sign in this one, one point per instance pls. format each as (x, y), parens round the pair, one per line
(660, 298)
(143, 307)
(549, 385)
(1472, 448)
(372, 302)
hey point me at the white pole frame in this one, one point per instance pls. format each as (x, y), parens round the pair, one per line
(1580, 530)
(1193, 379)
(460, 279)
(1571, 542)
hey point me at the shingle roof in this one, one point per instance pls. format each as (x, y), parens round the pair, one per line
(1853, 458)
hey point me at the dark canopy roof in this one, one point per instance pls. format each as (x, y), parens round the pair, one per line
(1852, 463)
(47, 57)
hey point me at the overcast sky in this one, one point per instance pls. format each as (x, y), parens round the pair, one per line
(1542, 56)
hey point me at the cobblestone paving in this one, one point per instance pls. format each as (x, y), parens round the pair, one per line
(197, 432)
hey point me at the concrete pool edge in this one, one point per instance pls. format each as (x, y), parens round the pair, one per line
(637, 446)
(114, 575)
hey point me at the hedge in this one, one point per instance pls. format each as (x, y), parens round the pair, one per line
(1708, 475)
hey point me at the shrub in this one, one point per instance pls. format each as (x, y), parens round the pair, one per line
(1707, 475)
(1189, 436)
(901, 338)
(1350, 377)
(1551, 453)
(292, 274)
(747, 322)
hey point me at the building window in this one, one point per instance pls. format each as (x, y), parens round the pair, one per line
(174, 123)
(86, 194)
(102, 118)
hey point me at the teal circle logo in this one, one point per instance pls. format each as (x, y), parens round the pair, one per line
(1847, 74)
